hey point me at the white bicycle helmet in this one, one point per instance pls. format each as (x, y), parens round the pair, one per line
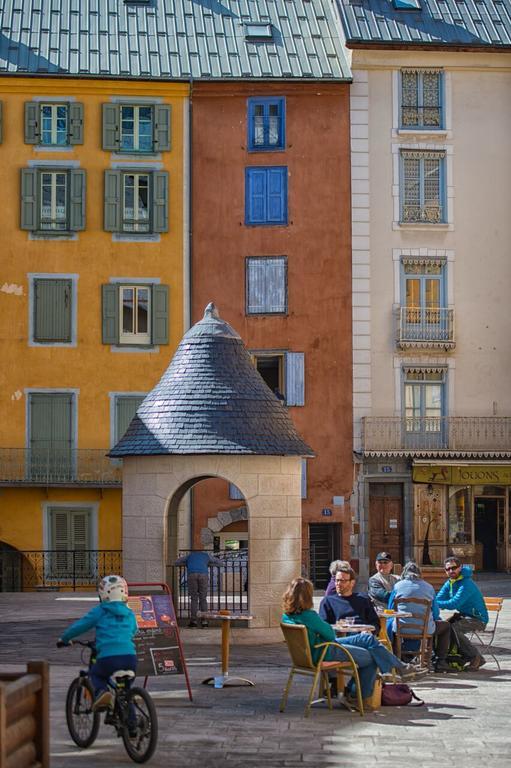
(113, 588)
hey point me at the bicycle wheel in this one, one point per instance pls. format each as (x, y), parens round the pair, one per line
(82, 722)
(140, 732)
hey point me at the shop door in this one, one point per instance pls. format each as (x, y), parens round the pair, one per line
(490, 532)
(385, 521)
(324, 546)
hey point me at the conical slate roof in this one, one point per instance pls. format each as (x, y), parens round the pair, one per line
(211, 399)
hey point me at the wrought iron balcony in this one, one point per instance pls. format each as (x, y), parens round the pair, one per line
(413, 116)
(53, 466)
(471, 435)
(432, 213)
(421, 327)
(56, 568)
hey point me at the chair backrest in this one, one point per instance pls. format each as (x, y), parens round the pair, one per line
(417, 625)
(298, 644)
(494, 606)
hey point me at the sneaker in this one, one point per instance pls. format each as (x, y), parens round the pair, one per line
(192, 623)
(443, 666)
(479, 661)
(204, 624)
(102, 701)
(411, 672)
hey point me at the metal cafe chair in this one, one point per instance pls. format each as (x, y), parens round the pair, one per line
(485, 637)
(298, 645)
(415, 629)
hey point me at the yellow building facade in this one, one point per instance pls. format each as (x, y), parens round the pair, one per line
(93, 302)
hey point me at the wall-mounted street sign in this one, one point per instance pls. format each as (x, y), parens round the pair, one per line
(326, 512)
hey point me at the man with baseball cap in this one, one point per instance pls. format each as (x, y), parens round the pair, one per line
(382, 583)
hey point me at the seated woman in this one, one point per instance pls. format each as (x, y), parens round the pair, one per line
(369, 654)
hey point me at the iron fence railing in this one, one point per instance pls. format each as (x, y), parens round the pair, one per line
(422, 326)
(413, 116)
(54, 466)
(56, 568)
(470, 434)
(228, 583)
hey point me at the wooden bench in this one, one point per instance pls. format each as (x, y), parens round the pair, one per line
(24, 717)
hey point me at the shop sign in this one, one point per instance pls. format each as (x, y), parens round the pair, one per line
(475, 474)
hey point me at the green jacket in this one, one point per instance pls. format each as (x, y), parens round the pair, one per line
(317, 629)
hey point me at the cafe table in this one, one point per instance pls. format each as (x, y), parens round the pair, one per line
(384, 616)
(343, 628)
(226, 617)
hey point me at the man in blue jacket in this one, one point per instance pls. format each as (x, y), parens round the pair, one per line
(462, 595)
(197, 564)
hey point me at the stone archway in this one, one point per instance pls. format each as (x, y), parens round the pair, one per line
(153, 490)
(219, 522)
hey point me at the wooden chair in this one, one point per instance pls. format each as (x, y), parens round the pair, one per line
(414, 628)
(297, 641)
(485, 637)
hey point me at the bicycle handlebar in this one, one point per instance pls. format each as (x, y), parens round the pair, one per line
(87, 644)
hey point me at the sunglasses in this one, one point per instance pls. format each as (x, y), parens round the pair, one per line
(452, 567)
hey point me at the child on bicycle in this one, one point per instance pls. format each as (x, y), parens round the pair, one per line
(116, 626)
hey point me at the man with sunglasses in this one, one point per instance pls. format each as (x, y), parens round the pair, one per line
(461, 595)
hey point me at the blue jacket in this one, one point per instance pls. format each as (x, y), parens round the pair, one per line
(414, 588)
(198, 562)
(464, 596)
(115, 626)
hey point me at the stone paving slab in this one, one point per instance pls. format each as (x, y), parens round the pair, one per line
(465, 720)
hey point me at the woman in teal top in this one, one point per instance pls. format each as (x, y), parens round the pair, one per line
(369, 654)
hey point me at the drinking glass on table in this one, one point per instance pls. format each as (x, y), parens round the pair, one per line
(350, 620)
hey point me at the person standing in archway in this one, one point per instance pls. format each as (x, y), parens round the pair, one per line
(197, 564)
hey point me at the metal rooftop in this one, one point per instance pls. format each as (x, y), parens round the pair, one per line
(443, 23)
(211, 399)
(173, 39)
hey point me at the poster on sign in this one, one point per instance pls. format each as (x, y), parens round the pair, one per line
(157, 639)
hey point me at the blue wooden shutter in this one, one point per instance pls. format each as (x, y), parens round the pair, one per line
(29, 212)
(52, 310)
(32, 130)
(304, 478)
(77, 180)
(160, 314)
(160, 201)
(295, 378)
(162, 123)
(266, 285)
(75, 122)
(277, 195)
(234, 492)
(110, 313)
(112, 208)
(255, 195)
(276, 284)
(111, 127)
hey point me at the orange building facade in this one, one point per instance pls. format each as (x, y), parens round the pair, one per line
(271, 247)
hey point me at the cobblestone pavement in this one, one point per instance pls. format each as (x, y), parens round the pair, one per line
(465, 720)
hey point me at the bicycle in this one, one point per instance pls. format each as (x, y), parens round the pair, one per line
(132, 713)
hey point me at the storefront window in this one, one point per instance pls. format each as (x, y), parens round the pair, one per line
(460, 516)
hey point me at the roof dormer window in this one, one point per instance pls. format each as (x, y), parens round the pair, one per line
(258, 30)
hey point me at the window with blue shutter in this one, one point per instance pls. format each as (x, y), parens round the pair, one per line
(266, 285)
(421, 99)
(266, 195)
(266, 124)
(422, 187)
(52, 311)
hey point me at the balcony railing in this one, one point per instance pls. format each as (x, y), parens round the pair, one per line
(425, 327)
(56, 568)
(412, 213)
(455, 434)
(413, 116)
(81, 466)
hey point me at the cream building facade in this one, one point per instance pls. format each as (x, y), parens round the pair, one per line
(431, 195)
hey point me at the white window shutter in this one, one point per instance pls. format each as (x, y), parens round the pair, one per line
(295, 378)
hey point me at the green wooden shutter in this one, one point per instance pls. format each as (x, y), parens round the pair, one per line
(160, 201)
(52, 310)
(75, 122)
(295, 378)
(110, 313)
(61, 540)
(111, 127)
(77, 183)
(32, 130)
(51, 435)
(29, 196)
(112, 210)
(125, 409)
(162, 127)
(80, 532)
(160, 314)
(1, 122)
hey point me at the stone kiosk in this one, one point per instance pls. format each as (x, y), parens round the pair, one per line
(212, 415)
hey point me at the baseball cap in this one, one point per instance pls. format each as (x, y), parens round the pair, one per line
(383, 556)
